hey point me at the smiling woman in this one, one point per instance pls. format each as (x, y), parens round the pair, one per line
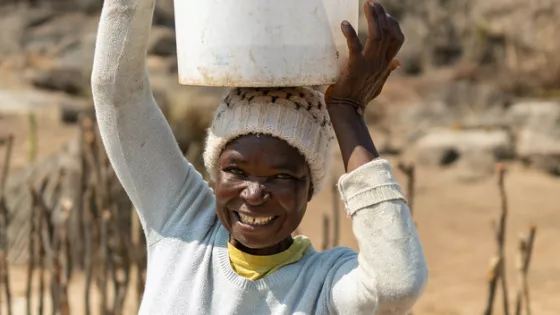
(259, 152)
(262, 191)
(230, 250)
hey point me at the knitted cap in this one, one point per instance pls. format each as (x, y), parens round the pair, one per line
(295, 115)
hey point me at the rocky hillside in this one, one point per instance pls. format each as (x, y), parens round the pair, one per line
(510, 42)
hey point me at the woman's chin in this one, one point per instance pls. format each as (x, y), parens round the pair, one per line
(252, 241)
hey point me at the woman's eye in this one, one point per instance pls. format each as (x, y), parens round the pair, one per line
(234, 171)
(283, 176)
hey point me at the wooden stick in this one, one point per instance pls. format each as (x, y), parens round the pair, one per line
(63, 259)
(88, 247)
(6, 164)
(105, 259)
(32, 138)
(493, 277)
(526, 263)
(45, 231)
(525, 252)
(42, 253)
(336, 214)
(521, 257)
(410, 172)
(38, 241)
(326, 232)
(502, 237)
(139, 248)
(55, 242)
(76, 228)
(4, 223)
(32, 259)
(122, 270)
(4, 268)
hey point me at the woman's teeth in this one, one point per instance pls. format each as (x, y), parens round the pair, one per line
(254, 221)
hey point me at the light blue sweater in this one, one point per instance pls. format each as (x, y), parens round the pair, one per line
(188, 265)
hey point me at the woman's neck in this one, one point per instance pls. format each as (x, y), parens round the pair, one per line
(275, 249)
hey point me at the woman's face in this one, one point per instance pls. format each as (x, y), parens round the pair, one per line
(262, 189)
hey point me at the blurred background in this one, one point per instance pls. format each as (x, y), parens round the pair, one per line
(470, 122)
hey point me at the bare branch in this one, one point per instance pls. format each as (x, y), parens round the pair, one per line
(502, 236)
(335, 214)
(410, 172)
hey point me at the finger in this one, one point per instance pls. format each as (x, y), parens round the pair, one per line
(376, 44)
(397, 39)
(382, 15)
(352, 40)
(375, 29)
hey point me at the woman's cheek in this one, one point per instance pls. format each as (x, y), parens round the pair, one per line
(292, 197)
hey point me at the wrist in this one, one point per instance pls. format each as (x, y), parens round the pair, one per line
(340, 113)
(344, 101)
(345, 105)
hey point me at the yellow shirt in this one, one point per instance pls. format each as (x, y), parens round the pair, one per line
(256, 267)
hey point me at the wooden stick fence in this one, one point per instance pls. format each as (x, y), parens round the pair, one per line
(497, 274)
(105, 247)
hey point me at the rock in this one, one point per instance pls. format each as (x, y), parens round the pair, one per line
(473, 95)
(476, 149)
(66, 79)
(71, 111)
(538, 141)
(537, 115)
(70, 68)
(162, 41)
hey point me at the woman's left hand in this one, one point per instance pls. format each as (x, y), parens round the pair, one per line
(368, 67)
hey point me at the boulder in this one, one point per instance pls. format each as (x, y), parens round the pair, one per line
(476, 149)
(538, 139)
(71, 62)
(67, 79)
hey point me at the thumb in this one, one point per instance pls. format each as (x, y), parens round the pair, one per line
(394, 65)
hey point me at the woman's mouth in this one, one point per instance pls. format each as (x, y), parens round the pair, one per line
(254, 221)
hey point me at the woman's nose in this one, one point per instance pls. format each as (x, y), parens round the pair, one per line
(255, 193)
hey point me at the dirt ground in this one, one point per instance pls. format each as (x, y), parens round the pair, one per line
(453, 219)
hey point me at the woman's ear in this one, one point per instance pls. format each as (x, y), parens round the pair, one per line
(310, 193)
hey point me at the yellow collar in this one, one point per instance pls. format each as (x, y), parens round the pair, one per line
(256, 267)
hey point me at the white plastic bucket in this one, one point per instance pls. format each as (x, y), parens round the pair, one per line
(262, 42)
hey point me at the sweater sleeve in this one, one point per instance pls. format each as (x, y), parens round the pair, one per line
(168, 193)
(390, 271)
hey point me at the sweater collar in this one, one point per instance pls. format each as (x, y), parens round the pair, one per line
(285, 275)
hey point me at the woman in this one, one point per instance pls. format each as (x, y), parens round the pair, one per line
(230, 250)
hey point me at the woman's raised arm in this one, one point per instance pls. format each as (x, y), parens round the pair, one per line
(390, 272)
(168, 193)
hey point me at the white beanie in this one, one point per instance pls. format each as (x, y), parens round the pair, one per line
(296, 115)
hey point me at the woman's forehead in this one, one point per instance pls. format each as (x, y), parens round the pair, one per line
(263, 149)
